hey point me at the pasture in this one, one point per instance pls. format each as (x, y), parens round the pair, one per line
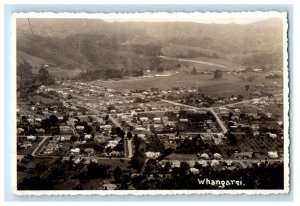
(228, 85)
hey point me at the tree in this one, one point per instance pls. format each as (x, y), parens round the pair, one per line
(129, 135)
(125, 179)
(247, 87)
(240, 97)
(24, 70)
(35, 183)
(117, 174)
(138, 160)
(88, 129)
(242, 115)
(73, 138)
(120, 132)
(53, 120)
(194, 70)
(110, 107)
(231, 138)
(44, 76)
(218, 74)
(160, 69)
(29, 156)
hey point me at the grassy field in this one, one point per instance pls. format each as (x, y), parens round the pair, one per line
(229, 84)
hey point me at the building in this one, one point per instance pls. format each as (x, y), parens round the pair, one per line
(89, 151)
(75, 151)
(31, 138)
(64, 129)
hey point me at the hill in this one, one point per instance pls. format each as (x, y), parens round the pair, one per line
(90, 44)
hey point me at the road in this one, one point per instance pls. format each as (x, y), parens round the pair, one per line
(39, 145)
(127, 143)
(211, 109)
(203, 108)
(115, 121)
(130, 154)
(221, 124)
(194, 61)
(244, 101)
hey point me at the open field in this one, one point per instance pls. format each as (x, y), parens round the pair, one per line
(228, 84)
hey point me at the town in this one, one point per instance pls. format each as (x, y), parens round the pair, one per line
(74, 134)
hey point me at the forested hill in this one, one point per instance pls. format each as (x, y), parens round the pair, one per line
(89, 44)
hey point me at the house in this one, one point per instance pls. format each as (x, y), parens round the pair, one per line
(112, 144)
(269, 115)
(157, 119)
(203, 156)
(217, 156)
(223, 110)
(144, 119)
(30, 120)
(115, 154)
(273, 155)
(61, 139)
(194, 170)
(66, 158)
(100, 121)
(242, 155)
(65, 129)
(109, 187)
(48, 151)
(76, 160)
(255, 133)
(183, 120)
(237, 110)
(31, 138)
(80, 127)
(152, 154)
(38, 119)
(209, 121)
(170, 123)
(20, 130)
(75, 151)
(140, 129)
(106, 127)
(255, 126)
(87, 136)
(52, 144)
(273, 136)
(26, 144)
(40, 131)
(89, 151)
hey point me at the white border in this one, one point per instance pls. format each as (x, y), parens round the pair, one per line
(159, 16)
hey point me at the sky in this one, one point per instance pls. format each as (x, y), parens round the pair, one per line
(218, 18)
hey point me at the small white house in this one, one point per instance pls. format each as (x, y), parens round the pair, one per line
(87, 136)
(273, 155)
(31, 137)
(75, 151)
(273, 136)
(183, 120)
(157, 119)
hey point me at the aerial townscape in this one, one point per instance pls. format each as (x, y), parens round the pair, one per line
(149, 106)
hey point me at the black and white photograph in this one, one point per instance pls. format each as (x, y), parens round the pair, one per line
(151, 103)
